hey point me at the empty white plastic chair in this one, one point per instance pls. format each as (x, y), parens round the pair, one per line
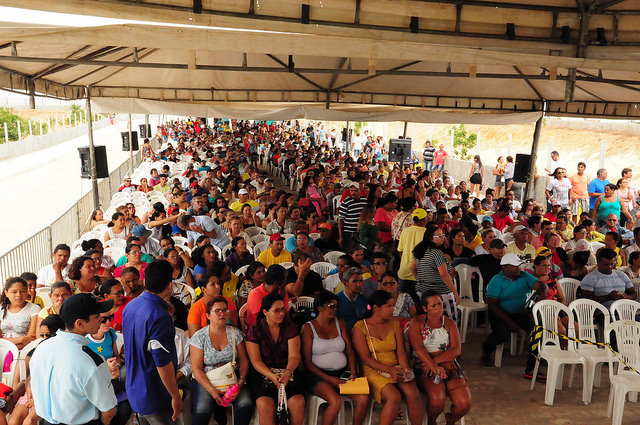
(332, 257)
(467, 306)
(545, 314)
(253, 231)
(322, 268)
(259, 248)
(627, 334)
(584, 310)
(624, 310)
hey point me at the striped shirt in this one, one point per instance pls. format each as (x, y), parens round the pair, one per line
(349, 211)
(429, 278)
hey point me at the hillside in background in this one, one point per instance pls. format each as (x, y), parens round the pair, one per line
(575, 140)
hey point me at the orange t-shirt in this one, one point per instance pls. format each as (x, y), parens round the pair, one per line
(579, 186)
(198, 313)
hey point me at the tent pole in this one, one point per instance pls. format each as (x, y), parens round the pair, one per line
(146, 126)
(92, 153)
(404, 130)
(130, 149)
(534, 154)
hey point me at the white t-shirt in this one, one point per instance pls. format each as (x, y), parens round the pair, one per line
(560, 190)
(47, 276)
(356, 143)
(508, 170)
(17, 324)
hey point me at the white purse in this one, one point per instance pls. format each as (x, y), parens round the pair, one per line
(224, 376)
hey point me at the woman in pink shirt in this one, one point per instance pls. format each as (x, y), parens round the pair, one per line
(383, 219)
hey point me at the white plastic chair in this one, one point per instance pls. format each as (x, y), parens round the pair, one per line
(286, 236)
(545, 314)
(259, 238)
(569, 288)
(624, 380)
(584, 310)
(322, 268)
(467, 306)
(636, 286)
(450, 204)
(332, 257)
(253, 231)
(287, 264)
(369, 418)
(116, 243)
(514, 348)
(22, 358)
(5, 348)
(218, 251)
(192, 293)
(119, 341)
(507, 238)
(624, 310)
(259, 248)
(242, 270)
(595, 246)
(314, 236)
(180, 241)
(226, 251)
(44, 294)
(314, 403)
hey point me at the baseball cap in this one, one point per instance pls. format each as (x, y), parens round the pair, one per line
(140, 231)
(127, 178)
(511, 260)
(583, 245)
(243, 192)
(520, 228)
(275, 237)
(419, 213)
(487, 218)
(172, 210)
(556, 203)
(81, 306)
(325, 226)
(543, 251)
(194, 184)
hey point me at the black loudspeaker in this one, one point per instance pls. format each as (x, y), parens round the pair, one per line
(203, 120)
(144, 133)
(344, 134)
(305, 14)
(102, 169)
(400, 150)
(521, 170)
(125, 140)
(415, 24)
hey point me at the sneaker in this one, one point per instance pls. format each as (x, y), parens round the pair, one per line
(540, 377)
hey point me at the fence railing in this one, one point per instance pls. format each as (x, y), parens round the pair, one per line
(35, 252)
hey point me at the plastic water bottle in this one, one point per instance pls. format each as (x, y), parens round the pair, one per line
(229, 395)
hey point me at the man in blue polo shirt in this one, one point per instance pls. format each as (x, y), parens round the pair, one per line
(596, 187)
(150, 350)
(506, 297)
(352, 304)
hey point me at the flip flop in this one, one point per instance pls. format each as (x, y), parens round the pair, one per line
(540, 377)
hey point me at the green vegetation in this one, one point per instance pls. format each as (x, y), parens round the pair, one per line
(8, 116)
(77, 110)
(463, 143)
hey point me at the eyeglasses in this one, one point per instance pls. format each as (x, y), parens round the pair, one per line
(219, 311)
(331, 306)
(105, 319)
(135, 252)
(119, 293)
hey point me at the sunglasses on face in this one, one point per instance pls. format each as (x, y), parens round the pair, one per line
(105, 319)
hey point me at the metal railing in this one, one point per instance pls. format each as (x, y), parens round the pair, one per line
(35, 252)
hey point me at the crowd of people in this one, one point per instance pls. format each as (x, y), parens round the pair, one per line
(209, 294)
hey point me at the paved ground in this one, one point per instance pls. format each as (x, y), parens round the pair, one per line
(42, 185)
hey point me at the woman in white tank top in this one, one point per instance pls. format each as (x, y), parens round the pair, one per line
(435, 343)
(329, 358)
(118, 230)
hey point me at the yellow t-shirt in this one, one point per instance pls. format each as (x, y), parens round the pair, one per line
(527, 254)
(46, 312)
(229, 288)
(477, 241)
(237, 206)
(409, 238)
(269, 260)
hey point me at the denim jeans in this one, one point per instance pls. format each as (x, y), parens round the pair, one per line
(428, 165)
(204, 406)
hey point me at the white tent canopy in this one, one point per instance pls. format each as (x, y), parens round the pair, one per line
(368, 60)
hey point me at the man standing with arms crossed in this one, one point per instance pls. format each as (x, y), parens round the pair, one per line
(150, 350)
(349, 216)
(70, 383)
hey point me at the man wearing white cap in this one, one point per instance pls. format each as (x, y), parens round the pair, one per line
(506, 297)
(520, 245)
(243, 198)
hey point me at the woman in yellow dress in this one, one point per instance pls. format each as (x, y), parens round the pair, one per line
(378, 341)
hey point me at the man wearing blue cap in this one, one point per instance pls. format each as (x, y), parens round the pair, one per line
(70, 383)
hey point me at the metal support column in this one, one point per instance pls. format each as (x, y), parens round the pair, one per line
(92, 154)
(32, 94)
(130, 149)
(404, 130)
(534, 154)
(146, 126)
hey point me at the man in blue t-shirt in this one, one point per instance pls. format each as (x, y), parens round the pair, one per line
(506, 297)
(351, 303)
(596, 187)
